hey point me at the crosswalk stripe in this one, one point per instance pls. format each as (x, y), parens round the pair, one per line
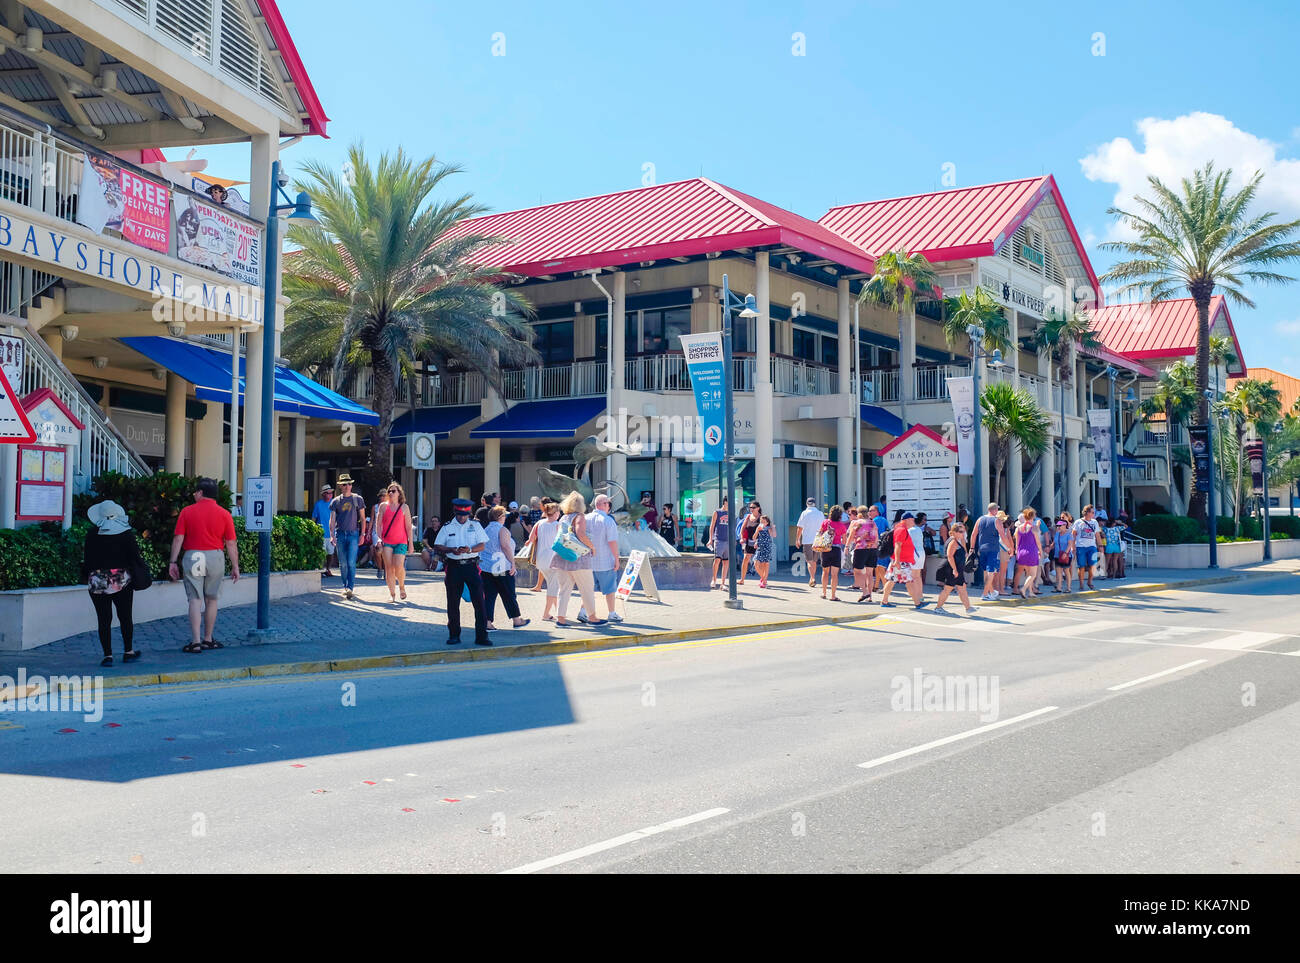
(1236, 641)
(1081, 629)
(1166, 633)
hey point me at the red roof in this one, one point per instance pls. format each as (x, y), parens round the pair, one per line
(679, 219)
(968, 222)
(1159, 329)
(918, 430)
(275, 26)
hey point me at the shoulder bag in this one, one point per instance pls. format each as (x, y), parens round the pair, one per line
(567, 545)
(825, 539)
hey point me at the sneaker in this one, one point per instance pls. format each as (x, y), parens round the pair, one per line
(971, 610)
(986, 598)
(994, 595)
(921, 605)
(582, 617)
(614, 617)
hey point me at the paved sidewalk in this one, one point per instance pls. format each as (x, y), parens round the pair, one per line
(323, 631)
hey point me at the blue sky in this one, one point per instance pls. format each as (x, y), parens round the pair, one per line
(881, 98)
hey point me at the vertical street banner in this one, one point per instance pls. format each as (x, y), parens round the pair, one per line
(1199, 436)
(962, 392)
(213, 238)
(1255, 456)
(110, 197)
(704, 361)
(1099, 428)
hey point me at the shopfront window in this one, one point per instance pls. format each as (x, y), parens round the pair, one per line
(830, 351)
(661, 330)
(554, 342)
(701, 486)
(631, 334)
(805, 344)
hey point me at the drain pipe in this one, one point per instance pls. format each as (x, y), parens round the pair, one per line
(609, 355)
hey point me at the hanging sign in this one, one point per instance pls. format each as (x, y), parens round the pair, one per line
(1099, 427)
(1255, 455)
(962, 392)
(12, 349)
(113, 197)
(1199, 436)
(214, 238)
(704, 361)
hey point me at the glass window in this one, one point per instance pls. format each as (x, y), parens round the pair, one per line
(741, 342)
(886, 358)
(830, 351)
(662, 329)
(805, 344)
(554, 342)
(631, 337)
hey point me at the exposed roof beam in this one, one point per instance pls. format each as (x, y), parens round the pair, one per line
(71, 105)
(47, 58)
(169, 133)
(177, 106)
(30, 110)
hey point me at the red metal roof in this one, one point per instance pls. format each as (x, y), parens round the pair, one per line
(275, 26)
(967, 222)
(1159, 329)
(679, 219)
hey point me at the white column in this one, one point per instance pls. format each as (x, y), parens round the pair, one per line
(297, 464)
(491, 465)
(1015, 471)
(907, 357)
(764, 415)
(1049, 481)
(1072, 502)
(174, 425)
(845, 422)
(617, 327)
(208, 443)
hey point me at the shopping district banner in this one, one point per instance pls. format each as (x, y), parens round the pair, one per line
(1199, 436)
(110, 196)
(705, 363)
(212, 238)
(1099, 427)
(962, 392)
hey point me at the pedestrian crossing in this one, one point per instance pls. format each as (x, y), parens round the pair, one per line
(1057, 625)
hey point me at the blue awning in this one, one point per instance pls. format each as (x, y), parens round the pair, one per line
(440, 421)
(1126, 462)
(209, 371)
(541, 419)
(882, 418)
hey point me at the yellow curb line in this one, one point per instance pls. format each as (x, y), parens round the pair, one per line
(474, 654)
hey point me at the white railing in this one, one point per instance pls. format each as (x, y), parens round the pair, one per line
(578, 380)
(1138, 550)
(659, 372)
(931, 381)
(1038, 387)
(880, 386)
(792, 376)
(103, 448)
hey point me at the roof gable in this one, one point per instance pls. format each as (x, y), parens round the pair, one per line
(1161, 329)
(681, 218)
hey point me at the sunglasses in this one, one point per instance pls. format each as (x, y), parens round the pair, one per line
(392, 491)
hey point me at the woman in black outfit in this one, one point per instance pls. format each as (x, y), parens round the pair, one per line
(110, 556)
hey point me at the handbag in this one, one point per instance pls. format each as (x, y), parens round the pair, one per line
(108, 581)
(825, 539)
(567, 545)
(141, 577)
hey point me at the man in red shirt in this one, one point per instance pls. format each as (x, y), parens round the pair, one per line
(906, 568)
(202, 531)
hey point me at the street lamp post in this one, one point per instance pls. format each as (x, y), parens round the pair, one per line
(1263, 440)
(1111, 372)
(1214, 510)
(976, 334)
(301, 208)
(748, 309)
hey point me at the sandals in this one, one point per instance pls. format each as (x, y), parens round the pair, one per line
(130, 655)
(520, 625)
(210, 644)
(403, 595)
(194, 648)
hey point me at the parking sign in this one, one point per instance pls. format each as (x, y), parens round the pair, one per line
(258, 504)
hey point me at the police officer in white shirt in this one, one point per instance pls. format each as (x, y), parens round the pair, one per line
(459, 542)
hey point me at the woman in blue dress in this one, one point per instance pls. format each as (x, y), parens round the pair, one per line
(763, 549)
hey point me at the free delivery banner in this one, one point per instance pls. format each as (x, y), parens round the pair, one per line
(705, 363)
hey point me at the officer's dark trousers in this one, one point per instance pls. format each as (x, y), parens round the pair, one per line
(460, 575)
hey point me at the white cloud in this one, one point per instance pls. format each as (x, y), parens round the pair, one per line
(1288, 327)
(1173, 149)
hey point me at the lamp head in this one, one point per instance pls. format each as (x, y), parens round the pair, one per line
(1130, 397)
(750, 309)
(302, 209)
(995, 360)
(1110, 372)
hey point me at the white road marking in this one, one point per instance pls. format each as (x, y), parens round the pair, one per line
(1156, 675)
(1165, 634)
(1236, 641)
(948, 739)
(1082, 629)
(612, 843)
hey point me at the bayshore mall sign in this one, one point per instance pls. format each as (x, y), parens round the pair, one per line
(920, 472)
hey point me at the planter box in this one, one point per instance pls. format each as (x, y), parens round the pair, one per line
(684, 571)
(1231, 554)
(33, 617)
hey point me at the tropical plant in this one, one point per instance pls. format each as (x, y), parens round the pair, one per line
(1011, 413)
(1200, 238)
(1251, 404)
(899, 278)
(1175, 398)
(383, 280)
(1220, 349)
(976, 309)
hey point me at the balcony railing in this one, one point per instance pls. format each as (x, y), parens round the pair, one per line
(42, 171)
(930, 382)
(880, 386)
(793, 376)
(578, 380)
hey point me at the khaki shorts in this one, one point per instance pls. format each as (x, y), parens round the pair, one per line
(202, 573)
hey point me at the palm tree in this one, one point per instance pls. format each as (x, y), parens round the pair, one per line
(377, 282)
(1011, 413)
(977, 310)
(1252, 404)
(1220, 348)
(1175, 397)
(898, 279)
(1201, 238)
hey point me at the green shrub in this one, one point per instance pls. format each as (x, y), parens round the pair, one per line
(296, 546)
(1251, 528)
(1168, 529)
(1225, 525)
(1290, 524)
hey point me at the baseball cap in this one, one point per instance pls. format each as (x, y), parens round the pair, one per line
(907, 515)
(1101, 513)
(513, 505)
(811, 501)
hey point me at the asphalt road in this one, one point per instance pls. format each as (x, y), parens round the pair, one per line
(731, 755)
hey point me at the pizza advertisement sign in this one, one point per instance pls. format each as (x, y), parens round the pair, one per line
(213, 238)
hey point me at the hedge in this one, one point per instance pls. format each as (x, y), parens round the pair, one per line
(1290, 524)
(1168, 529)
(39, 556)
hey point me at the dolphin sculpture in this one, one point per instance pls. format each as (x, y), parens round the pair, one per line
(591, 449)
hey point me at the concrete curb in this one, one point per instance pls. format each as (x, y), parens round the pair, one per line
(595, 643)
(472, 654)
